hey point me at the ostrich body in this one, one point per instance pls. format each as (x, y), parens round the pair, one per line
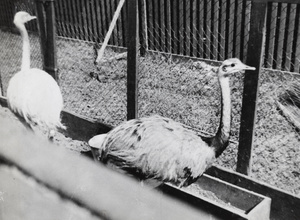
(163, 149)
(32, 94)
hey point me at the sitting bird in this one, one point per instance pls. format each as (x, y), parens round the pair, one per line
(32, 94)
(163, 149)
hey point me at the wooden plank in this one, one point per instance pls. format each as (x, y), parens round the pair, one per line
(288, 38)
(59, 26)
(84, 21)
(221, 30)
(193, 21)
(186, 27)
(277, 36)
(93, 25)
(248, 113)
(242, 34)
(106, 194)
(69, 13)
(247, 26)
(114, 6)
(21, 197)
(108, 17)
(98, 21)
(231, 28)
(80, 19)
(89, 20)
(268, 59)
(235, 29)
(143, 27)
(213, 28)
(199, 26)
(168, 27)
(103, 18)
(132, 60)
(282, 27)
(211, 15)
(124, 24)
(205, 34)
(118, 27)
(285, 37)
(59, 14)
(283, 206)
(75, 23)
(150, 24)
(227, 30)
(162, 21)
(216, 29)
(156, 26)
(296, 33)
(180, 35)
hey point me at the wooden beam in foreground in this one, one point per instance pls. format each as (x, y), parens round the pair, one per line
(76, 180)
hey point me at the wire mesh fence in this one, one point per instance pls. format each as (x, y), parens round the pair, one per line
(180, 40)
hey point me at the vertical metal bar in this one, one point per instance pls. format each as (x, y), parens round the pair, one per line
(132, 59)
(254, 58)
(46, 19)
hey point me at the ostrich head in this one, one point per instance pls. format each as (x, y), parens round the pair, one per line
(231, 66)
(22, 17)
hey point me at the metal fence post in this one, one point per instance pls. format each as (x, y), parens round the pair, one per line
(132, 59)
(251, 81)
(46, 20)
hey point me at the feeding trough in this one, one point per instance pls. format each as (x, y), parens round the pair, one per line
(217, 199)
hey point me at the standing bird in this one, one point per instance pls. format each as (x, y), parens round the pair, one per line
(32, 94)
(160, 148)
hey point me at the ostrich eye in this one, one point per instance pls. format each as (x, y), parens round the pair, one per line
(232, 65)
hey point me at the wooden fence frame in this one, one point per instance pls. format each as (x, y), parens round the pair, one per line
(251, 81)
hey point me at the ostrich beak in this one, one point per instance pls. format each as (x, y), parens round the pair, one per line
(32, 17)
(249, 67)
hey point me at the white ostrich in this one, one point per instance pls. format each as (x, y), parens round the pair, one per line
(32, 94)
(160, 148)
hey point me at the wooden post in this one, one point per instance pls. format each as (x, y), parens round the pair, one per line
(251, 81)
(46, 20)
(132, 59)
(143, 28)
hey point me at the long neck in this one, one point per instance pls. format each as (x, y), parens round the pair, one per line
(26, 47)
(221, 140)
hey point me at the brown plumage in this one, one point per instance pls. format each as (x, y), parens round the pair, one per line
(160, 148)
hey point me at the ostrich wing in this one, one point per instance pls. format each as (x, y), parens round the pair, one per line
(158, 147)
